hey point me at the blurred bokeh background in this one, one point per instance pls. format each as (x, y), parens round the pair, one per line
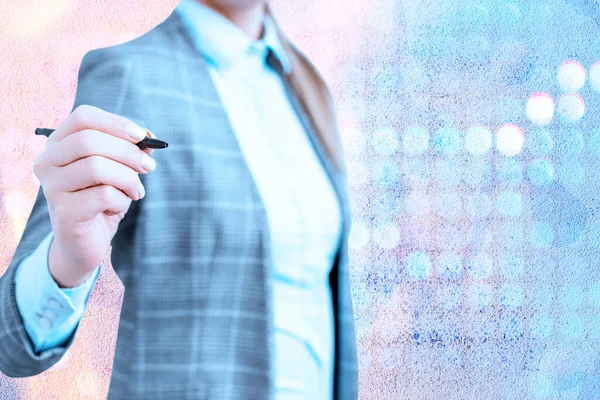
(472, 136)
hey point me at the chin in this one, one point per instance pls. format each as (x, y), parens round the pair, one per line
(234, 3)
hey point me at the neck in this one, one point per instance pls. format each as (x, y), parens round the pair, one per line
(248, 17)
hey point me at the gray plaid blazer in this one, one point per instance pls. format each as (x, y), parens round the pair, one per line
(193, 256)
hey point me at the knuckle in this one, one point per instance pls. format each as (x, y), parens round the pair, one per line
(83, 142)
(106, 194)
(95, 169)
(81, 113)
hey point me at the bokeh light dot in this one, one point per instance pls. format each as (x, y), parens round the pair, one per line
(481, 295)
(479, 173)
(511, 265)
(540, 297)
(540, 172)
(385, 141)
(448, 205)
(541, 234)
(479, 204)
(415, 140)
(571, 296)
(479, 235)
(571, 76)
(386, 172)
(540, 108)
(571, 106)
(481, 328)
(478, 140)
(510, 172)
(570, 325)
(450, 357)
(354, 141)
(541, 326)
(511, 326)
(417, 204)
(509, 109)
(414, 78)
(539, 142)
(358, 174)
(571, 173)
(447, 173)
(573, 267)
(509, 17)
(449, 297)
(476, 47)
(449, 265)
(569, 142)
(511, 234)
(417, 171)
(509, 203)
(472, 15)
(419, 359)
(359, 235)
(447, 141)
(389, 359)
(480, 265)
(449, 237)
(510, 295)
(388, 204)
(482, 356)
(386, 235)
(540, 385)
(509, 140)
(418, 265)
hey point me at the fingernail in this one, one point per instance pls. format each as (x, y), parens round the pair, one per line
(136, 131)
(148, 163)
(141, 192)
(151, 134)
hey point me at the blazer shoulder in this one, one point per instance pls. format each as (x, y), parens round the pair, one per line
(162, 36)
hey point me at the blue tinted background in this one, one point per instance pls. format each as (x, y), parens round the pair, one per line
(475, 185)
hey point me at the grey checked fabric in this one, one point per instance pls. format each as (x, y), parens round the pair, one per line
(193, 256)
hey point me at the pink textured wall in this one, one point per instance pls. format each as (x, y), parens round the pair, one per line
(41, 46)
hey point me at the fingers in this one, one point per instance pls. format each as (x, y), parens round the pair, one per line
(93, 171)
(90, 117)
(91, 142)
(98, 199)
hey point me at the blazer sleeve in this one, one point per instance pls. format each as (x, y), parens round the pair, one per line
(50, 314)
(106, 80)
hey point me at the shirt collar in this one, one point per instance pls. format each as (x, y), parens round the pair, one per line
(221, 42)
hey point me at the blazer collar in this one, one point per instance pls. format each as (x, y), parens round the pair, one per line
(221, 42)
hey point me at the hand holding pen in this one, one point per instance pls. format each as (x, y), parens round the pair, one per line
(89, 173)
(149, 142)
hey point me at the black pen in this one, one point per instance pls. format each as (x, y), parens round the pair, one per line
(147, 143)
